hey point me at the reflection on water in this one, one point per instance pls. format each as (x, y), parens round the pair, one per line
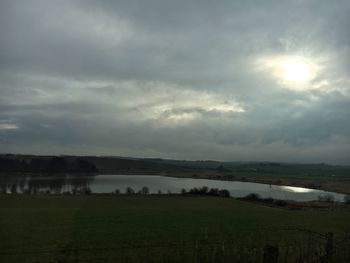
(298, 189)
(76, 184)
(53, 184)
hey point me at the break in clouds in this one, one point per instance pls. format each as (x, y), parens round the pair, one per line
(228, 80)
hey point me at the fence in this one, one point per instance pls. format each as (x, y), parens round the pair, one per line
(314, 247)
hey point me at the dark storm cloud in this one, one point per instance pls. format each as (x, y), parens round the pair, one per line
(180, 79)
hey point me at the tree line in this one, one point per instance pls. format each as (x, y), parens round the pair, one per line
(47, 165)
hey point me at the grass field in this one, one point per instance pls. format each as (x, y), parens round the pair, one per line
(162, 229)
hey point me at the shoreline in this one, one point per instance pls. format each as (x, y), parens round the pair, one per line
(336, 187)
(271, 182)
(339, 187)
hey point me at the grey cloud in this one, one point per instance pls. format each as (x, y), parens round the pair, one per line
(173, 79)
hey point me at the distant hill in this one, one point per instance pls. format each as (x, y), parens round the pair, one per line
(128, 165)
(45, 164)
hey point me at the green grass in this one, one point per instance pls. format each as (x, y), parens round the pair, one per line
(154, 228)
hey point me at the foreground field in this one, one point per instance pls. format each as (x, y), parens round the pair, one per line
(164, 229)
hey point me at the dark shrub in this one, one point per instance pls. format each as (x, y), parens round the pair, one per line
(347, 199)
(14, 189)
(144, 190)
(213, 191)
(206, 191)
(281, 202)
(194, 191)
(129, 191)
(252, 196)
(326, 198)
(269, 200)
(87, 191)
(224, 193)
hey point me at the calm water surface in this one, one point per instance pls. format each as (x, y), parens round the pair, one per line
(110, 183)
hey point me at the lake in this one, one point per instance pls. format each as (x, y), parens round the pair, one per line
(110, 183)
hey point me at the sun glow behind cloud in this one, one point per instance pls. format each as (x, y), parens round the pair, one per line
(296, 70)
(293, 72)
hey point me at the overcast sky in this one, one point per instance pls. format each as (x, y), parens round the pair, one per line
(178, 79)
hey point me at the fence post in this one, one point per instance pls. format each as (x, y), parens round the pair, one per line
(271, 254)
(76, 255)
(329, 246)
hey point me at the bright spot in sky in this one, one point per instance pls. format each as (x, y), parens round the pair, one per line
(295, 70)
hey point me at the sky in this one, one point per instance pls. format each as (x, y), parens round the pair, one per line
(224, 80)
